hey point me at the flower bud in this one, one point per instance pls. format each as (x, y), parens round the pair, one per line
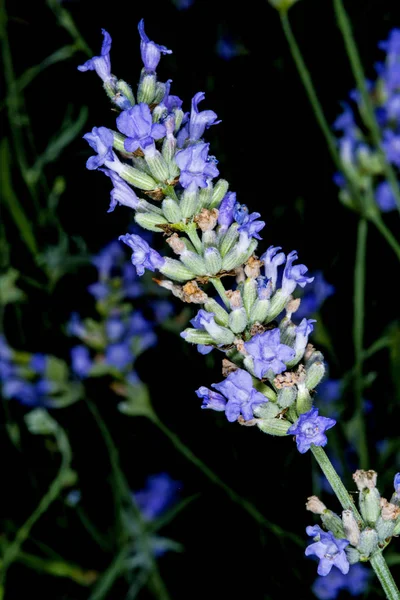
(146, 88)
(368, 543)
(384, 528)
(288, 334)
(171, 210)
(278, 303)
(220, 335)
(213, 261)
(138, 178)
(369, 501)
(249, 294)
(205, 195)
(126, 90)
(219, 191)
(315, 505)
(274, 426)
(189, 202)
(314, 374)
(206, 219)
(197, 336)
(194, 262)
(365, 479)
(269, 410)
(333, 523)
(287, 396)
(174, 269)
(282, 5)
(304, 401)
(220, 314)
(150, 221)
(230, 238)
(159, 92)
(157, 164)
(238, 320)
(259, 311)
(353, 555)
(350, 526)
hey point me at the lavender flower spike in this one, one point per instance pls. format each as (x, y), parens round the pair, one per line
(101, 64)
(328, 549)
(242, 396)
(150, 51)
(143, 256)
(195, 165)
(122, 193)
(294, 275)
(310, 429)
(268, 353)
(137, 124)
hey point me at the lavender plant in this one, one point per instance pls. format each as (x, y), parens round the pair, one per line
(270, 369)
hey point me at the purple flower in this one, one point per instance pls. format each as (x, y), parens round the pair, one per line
(150, 51)
(396, 483)
(119, 355)
(107, 258)
(211, 399)
(228, 48)
(328, 549)
(294, 275)
(159, 493)
(251, 226)
(169, 102)
(143, 256)
(242, 396)
(80, 361)
(330, 390)
(268, 353)
(122, 193)
(101, 140)
(330, 586)
(198, 122)
(137, 124)
(226, 211)
(302, 332)
(309, 429)
(195, 165)
(115, 329)
(384, 197)
(101, 64)
(272, 260)
(38, 363)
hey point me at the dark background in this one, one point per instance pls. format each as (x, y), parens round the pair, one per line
(274, 156)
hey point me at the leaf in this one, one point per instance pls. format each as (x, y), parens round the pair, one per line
(9, 292)
(137, 402)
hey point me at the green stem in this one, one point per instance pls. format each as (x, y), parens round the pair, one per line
(12, 550)
(309, 87)
(377, 561)
(385, 577)
(336, 483)
(325, 128)
(387, 234)
(360, 438)
(57, 568)
(124, 499)
(369, 114)
(248, 506)
(217, 283)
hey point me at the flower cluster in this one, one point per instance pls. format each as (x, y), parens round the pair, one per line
(158, 150)
(361, 160)
(35, 379)
(112, 343)
(349, 540)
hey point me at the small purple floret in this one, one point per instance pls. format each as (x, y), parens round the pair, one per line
(242, 396)
(310, 429)
(268, 353)
(143, 256)
(328, 549)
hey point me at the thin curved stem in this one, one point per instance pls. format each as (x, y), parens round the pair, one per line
(248, 506)
(57, 485)
(360, 438)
